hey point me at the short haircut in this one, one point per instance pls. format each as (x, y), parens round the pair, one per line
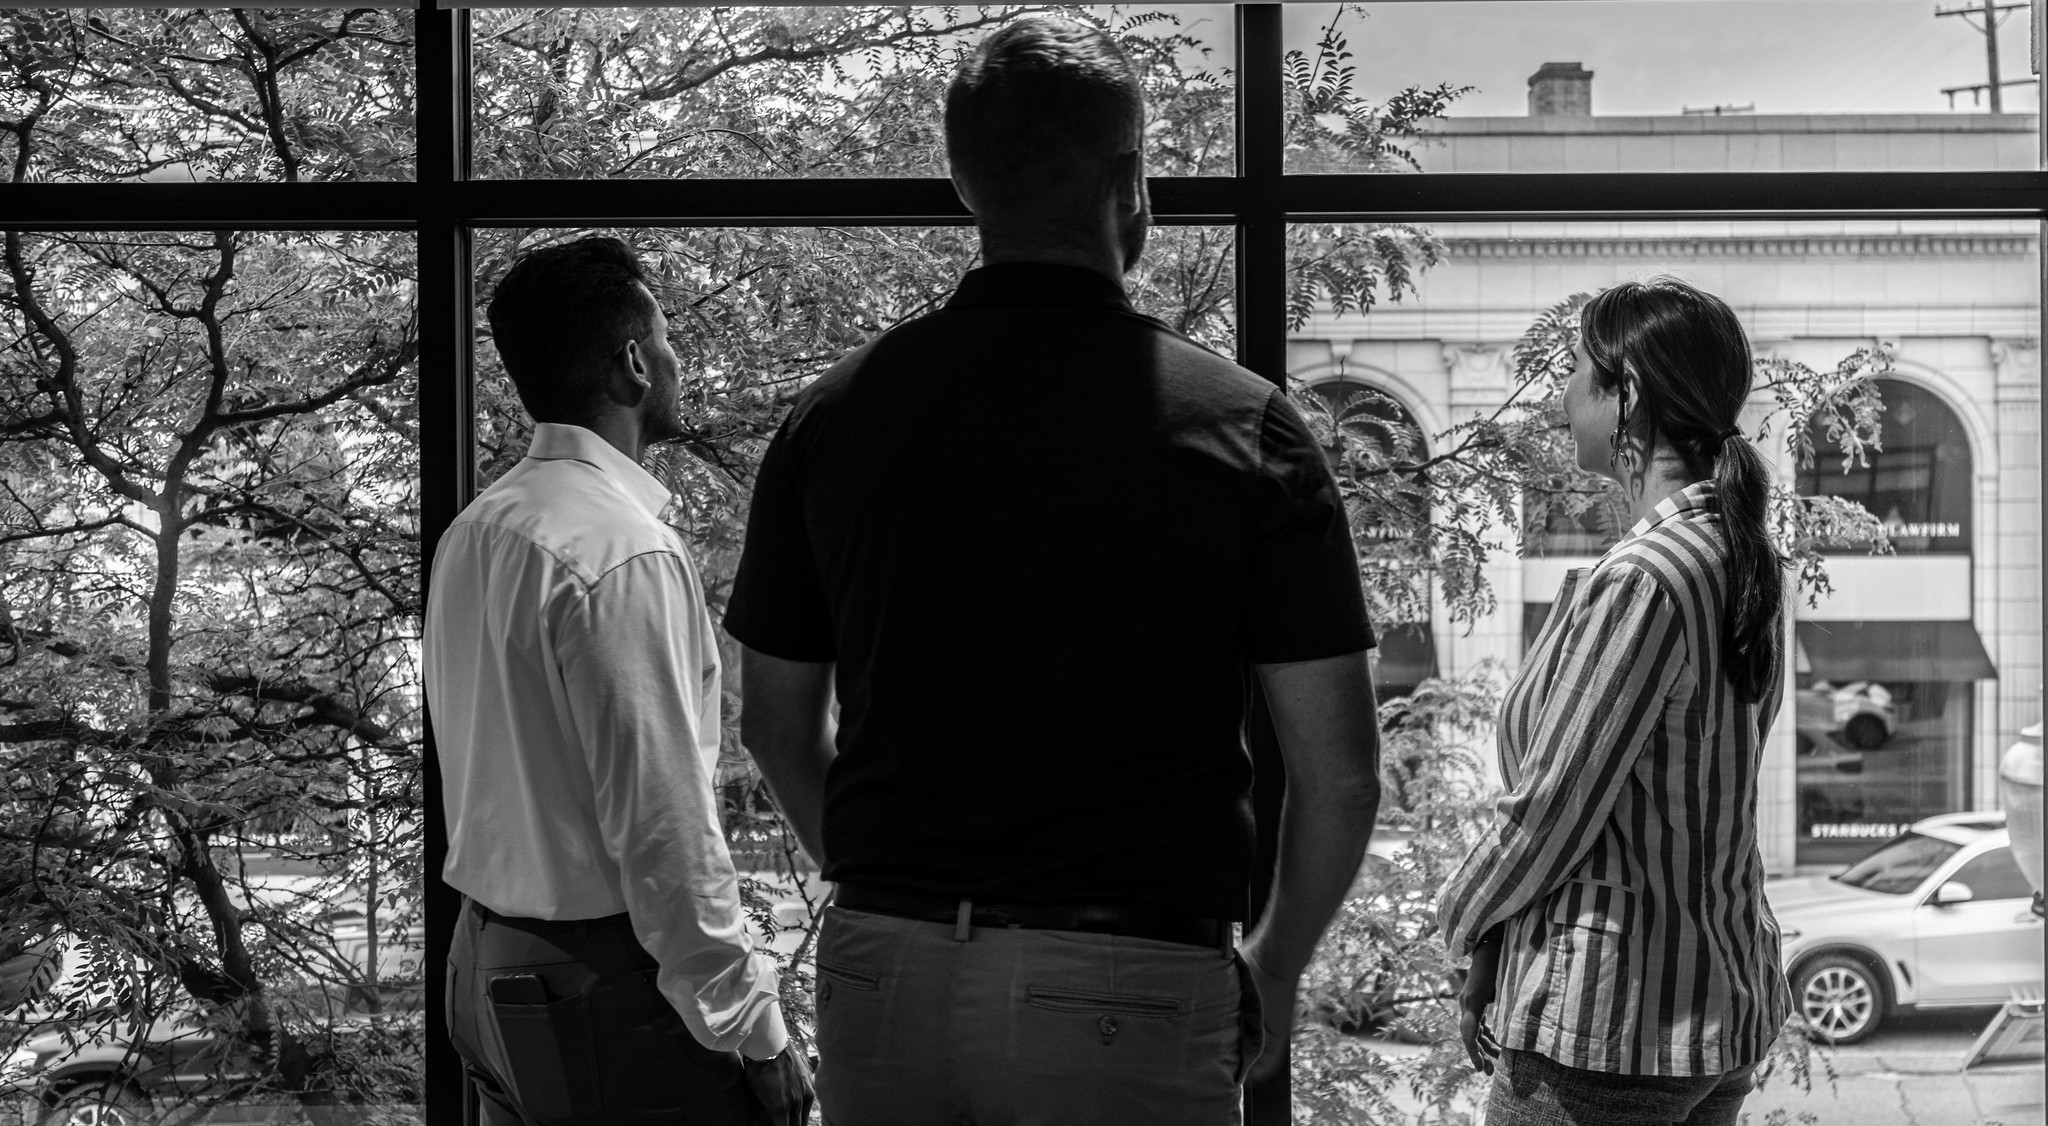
(1037, 115)
(558, 316)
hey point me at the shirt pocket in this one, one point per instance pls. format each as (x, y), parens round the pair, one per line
(1596, 906)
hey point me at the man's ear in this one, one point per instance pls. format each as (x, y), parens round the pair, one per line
(1127, 178)
(630, 379)
(960, 189)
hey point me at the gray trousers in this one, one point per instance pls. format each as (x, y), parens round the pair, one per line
(921, 1023)
(576, 1032)
(1531, 1089)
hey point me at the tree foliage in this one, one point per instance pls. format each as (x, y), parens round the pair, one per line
(290, 94)
(209, 528)
(209, 604)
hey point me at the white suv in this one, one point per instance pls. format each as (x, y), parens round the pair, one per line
(1938, 916)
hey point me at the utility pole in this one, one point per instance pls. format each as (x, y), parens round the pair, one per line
(1989, 9)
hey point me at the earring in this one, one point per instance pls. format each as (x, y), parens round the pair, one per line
(1618, 441)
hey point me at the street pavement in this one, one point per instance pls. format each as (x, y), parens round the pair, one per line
(1909, 1074)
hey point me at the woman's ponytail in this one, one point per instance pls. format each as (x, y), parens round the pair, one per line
(1751, 642)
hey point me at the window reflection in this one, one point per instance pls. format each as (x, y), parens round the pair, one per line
(1886, 672)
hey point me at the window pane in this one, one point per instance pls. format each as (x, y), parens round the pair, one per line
(161, 94)
(572, 93)
(1656, 86)
(756, 312)
(210, 724)
(1910, 349)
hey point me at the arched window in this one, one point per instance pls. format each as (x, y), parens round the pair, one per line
(1918, 484)
(1383, 432)
(1885, 669)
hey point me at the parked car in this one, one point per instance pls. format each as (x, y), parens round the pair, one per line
(1860, 714)
(116, 1073)
(122, 1075)
(68, 1068)
(1939, 916)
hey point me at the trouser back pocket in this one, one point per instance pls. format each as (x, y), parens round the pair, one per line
(548, 1054)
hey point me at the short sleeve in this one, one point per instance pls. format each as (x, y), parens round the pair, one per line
(778, 604)
(1305, 601)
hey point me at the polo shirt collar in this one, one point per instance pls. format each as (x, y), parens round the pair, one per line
(556, 441)
(1038, 283)
(1692, 502)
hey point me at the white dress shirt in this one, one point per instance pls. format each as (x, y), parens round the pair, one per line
(573, 685)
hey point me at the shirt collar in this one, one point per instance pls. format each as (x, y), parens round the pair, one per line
(558, 441)
(1038, 283)
(1695, 500)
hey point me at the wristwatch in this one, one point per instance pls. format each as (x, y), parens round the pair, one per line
(754, 1067)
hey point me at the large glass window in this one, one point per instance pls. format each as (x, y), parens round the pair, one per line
(237, 734)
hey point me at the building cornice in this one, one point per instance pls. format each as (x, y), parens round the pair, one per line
(1616, 125)
(1781, 246)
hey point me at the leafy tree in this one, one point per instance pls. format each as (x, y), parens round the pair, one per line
(208, 94)
(210, 575)
(209, 533)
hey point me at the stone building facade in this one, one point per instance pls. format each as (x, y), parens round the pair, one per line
(1923, 666)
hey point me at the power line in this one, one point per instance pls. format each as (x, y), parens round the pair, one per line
(1989, 10)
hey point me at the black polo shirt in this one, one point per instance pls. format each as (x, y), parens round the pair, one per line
(1042, 535)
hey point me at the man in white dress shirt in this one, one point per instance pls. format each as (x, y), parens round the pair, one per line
(601, 970)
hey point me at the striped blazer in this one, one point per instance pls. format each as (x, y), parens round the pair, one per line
(1623, 857)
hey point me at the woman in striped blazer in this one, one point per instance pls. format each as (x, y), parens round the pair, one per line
(1616, 908)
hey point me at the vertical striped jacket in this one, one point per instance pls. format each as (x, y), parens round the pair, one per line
(1623, 857)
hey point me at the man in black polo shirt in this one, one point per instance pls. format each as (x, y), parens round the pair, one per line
(1033, 540)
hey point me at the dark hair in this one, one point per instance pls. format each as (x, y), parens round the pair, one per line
(1037, 115)
(1691, 364)
(558, 315)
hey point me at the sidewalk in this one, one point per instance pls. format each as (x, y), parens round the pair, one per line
(1907, 1089)
(1903, 1088)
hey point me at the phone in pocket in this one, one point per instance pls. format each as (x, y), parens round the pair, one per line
(518, 989)
(550, 1058)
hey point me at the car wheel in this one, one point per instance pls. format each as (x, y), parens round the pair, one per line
(1842, 1001)
(1866, 732)
(106, 1103)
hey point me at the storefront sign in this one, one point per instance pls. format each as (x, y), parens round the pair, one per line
(1855, 830)
(1899, 529)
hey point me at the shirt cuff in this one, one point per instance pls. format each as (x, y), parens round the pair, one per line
(768, 1038)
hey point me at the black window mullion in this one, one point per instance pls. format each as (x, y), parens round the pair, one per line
(446, 460)
(1262, 347)
(1262, 219)
(1665, 195)
(327, 206)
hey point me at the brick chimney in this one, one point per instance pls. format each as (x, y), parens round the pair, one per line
(1561, 90)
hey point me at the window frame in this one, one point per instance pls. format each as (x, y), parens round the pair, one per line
(443, 206)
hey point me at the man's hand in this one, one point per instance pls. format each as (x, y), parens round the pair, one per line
(1276, 1014)
(1481, 983)
(782, 1088)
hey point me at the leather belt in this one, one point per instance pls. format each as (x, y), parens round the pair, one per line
(551, 926)
(1099, 918)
